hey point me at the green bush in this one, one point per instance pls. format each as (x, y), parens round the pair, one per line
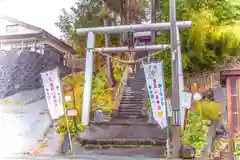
(62, 127)
(195, 133)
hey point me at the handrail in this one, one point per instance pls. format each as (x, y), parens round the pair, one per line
(120, 88)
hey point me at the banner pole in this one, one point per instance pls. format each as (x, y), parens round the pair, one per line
(68, 131)
(168, 152)
(154, 74)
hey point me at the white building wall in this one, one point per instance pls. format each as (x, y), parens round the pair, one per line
(21, 29)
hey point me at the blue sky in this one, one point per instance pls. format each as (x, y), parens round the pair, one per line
(41, 13)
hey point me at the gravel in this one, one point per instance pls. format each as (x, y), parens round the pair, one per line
(20, 71)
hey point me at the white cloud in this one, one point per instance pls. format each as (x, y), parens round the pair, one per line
(41, 13)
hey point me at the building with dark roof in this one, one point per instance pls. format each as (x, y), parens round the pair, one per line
(18, 35)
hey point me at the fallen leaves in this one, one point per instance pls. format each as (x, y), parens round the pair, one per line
(44, 112)
(13, 103)
(42, 144)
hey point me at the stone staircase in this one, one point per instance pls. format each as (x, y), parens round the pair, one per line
(128, 132)
(132, 103)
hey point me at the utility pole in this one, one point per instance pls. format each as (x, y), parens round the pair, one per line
(176, 121)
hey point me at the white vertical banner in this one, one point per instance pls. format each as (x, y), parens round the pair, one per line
(53, 92)
(185, 103)
(155, 85)
(186, 100)
(169, 107)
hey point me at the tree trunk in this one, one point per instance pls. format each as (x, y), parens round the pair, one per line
(123, 17)
(111, 79)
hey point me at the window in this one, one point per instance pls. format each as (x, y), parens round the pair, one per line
(57, 57)
(61, 60)
(12, 28)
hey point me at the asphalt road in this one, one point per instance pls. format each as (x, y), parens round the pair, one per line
(22, 126)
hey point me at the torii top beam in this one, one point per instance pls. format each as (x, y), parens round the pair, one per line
(133, 28)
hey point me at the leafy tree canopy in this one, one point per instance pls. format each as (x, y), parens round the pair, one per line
(214, 34)
(84, 14)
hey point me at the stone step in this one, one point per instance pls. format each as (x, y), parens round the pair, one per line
(135, 88)
(139, 142)
(110, 146)
(130, 106)
(122, 123)
(133, 93)
(129, 109)
(132, 102)
(140, 88)
(129, 120)
(135, 85)
(137, 91)
(131, 96)
(127, 116)
(129, 102)
(129, 113)
(136, 80)
(139, 75)
(128, 98)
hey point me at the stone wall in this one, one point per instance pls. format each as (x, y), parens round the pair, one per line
(20, 70)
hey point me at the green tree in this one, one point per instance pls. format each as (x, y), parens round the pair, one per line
(95, 13)
(129, 11)
(86, 14)
(212, 37)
